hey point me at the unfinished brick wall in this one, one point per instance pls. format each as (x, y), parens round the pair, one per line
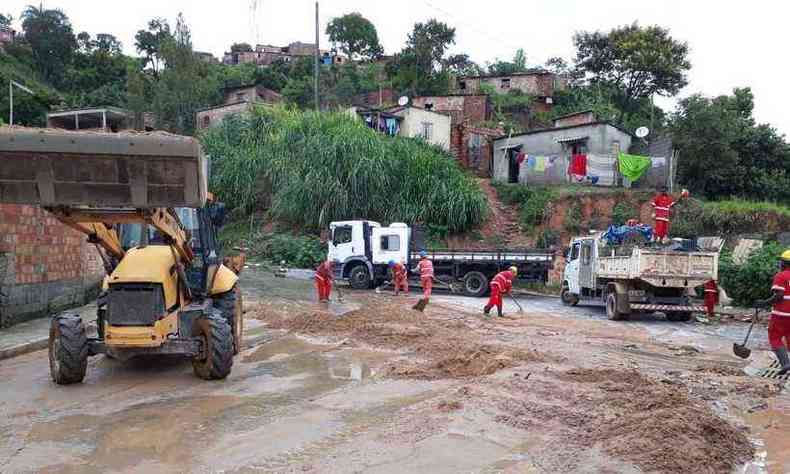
(475, 148)
(470, 109)
(45, 267)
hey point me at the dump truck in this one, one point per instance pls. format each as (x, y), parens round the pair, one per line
(142, 199)
(364, 248)
(633, 278)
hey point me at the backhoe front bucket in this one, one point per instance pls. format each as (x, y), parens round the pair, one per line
(137, 170)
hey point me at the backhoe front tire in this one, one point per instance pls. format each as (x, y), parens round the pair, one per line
(217, 338)
(68, 349)
(231, 306)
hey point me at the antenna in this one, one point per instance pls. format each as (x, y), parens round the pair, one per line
(642, 132)
(403, 101)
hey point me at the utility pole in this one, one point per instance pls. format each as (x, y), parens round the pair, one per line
(11, 85)
(315, 73)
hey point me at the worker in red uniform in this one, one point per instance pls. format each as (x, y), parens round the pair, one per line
(501, 284)
(399, 277)
(324, 275)
(663, 204)
(779, 324)
(425, 268)
(711, 297)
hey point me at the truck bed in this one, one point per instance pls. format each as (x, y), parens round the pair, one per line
(661, 267)
(488, 256)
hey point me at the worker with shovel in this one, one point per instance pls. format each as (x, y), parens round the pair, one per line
(399, 277)
(425, 267)
(324, 275)
(501, 284)
(779, 324)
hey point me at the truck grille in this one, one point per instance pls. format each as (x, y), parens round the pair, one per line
(130, 304)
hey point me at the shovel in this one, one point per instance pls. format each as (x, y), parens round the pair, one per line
(383, 285)
(740, 349)
(520, 309)
(339, 295)
(420, 305)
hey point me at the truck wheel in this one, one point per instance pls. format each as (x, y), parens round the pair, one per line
(475, 284)
(611, 308)
(230, 305)
(68, 349)
(359, 277)
(217, 338)
(568, 298)
(679, 316)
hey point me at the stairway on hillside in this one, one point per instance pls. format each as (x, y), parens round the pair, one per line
(502, 225)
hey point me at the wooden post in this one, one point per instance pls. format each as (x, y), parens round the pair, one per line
(104, 120)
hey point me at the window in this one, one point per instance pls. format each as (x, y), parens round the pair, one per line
(341, 235)
(462, 85)
(505, 83)
(429, 106)
(390, 243)
(586, 254)
(206, 121)
(575, 251)
(427, 131)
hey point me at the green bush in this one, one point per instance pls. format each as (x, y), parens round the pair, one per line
(513, 194)
(573, 219)
(300, 251)
(750, 281)
(533, 210)
(623, 211)
(320, 167)
(548, 238)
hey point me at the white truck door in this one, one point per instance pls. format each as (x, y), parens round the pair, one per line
(346, 241)
(586, 262)
(571, 272)
(390, 243)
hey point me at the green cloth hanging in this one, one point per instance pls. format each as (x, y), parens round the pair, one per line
(633, 166)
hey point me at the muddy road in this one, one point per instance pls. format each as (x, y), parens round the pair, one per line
(371, 386)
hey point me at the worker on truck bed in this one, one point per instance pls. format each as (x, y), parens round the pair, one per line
(425, 267)
(324, 275)
(779, 324)
(663, 204)
(711, 297)
(399, 277)
(501, 284)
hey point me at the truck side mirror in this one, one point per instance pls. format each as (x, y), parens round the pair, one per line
(217, 214)
(567, 253)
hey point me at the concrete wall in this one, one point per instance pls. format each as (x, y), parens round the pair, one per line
(471, 109)
(209, 117)
(575, 119)
(537, 84)
(412, 125)
(45, 267)
(603, 140)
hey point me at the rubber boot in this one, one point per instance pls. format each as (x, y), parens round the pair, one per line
(499, 311)
(784, 360)
(487, 309)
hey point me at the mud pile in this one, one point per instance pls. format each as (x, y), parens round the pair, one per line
(629, 416)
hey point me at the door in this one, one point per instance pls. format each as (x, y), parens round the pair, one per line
(586, 264)
(513, 168)
(342, 245)
(572, 268)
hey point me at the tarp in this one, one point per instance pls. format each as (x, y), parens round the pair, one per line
(633, 166)
(615, 235)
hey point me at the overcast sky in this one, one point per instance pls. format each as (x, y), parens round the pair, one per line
(732, 43)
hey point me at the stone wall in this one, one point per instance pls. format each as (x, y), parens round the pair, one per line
(45, 267)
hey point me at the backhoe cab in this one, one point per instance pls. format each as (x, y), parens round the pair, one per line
(142, 200)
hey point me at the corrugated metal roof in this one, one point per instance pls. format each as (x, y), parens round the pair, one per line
(571, 139)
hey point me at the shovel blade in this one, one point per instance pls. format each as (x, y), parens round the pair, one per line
(420, 305)
(741, 351)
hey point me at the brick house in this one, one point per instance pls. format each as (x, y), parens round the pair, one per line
(266, 54)
(538, 83)
(236, 100)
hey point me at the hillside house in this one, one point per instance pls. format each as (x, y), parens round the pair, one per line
(408, 121)
(538, 83)
(7, 35)
(266, 54)
(236, 100)
(102, 119)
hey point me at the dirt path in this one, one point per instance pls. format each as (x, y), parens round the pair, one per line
(371, 386)
(499, 231)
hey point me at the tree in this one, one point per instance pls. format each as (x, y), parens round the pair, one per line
(417, 69)
(240, 48)
(149, 42)
(637, 61)
(185, 84)
(505, 68)
(428, 43)
(356, 36)
(51, 39)
(461, 65)
(723, 153)
(5, 21)
(137, 94)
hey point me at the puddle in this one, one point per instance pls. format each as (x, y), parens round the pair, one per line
(771, 426)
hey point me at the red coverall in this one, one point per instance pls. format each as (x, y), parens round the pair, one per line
(323, 280)
(711, 297)
(500, 285)
(663, 204)
(779, 324)
(399, 279)
(426, 277)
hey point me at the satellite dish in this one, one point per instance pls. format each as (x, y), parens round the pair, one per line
(642, 132)
(403, 101)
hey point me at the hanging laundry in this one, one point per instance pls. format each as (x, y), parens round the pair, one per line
(392, 126)
(578, 166)
(658, 161)
(540, 164)
(520, 158)
(633, 166)
(531, 162)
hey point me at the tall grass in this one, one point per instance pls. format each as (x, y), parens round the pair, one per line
(312, 168)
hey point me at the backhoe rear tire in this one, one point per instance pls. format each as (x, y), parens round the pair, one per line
(231, 306)
(68, 349)
(217, 337)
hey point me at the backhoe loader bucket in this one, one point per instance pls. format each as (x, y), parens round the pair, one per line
(141, 170)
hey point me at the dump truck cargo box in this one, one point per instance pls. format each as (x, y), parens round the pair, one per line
(662, 268)
(55, 167)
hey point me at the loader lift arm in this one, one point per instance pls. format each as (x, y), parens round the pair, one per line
(98, 225)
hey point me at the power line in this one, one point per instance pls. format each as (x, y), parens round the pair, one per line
(470, 26)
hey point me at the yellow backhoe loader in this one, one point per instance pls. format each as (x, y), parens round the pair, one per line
(142, 199)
